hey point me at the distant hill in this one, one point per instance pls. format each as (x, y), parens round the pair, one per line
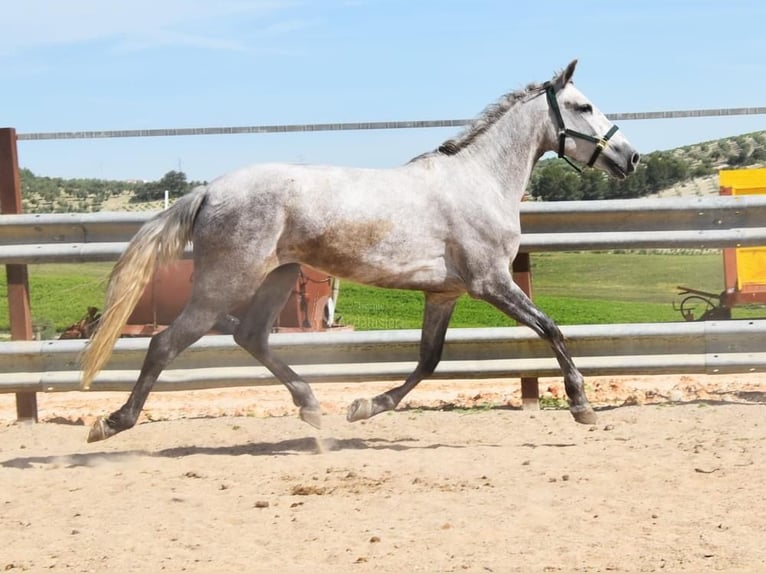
(732, 152)
(687, 170)
(42, 194)
(747, 150)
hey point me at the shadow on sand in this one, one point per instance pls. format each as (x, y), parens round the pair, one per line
(306, 445)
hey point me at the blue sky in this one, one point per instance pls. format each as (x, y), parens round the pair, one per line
(79, 65)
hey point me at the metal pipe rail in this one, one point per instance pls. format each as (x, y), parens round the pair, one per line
(706, 222)
(216, 361)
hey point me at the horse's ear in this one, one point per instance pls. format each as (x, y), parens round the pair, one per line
(569, 71)
(566, 76)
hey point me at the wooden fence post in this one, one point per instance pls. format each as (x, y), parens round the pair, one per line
(17, 276)
(522, 276)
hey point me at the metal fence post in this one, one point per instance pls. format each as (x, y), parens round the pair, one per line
(17, 276)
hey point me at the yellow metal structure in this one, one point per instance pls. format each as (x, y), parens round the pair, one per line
(744, 267)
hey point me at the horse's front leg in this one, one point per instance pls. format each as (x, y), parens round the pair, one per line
(500, 291)
(436, 317)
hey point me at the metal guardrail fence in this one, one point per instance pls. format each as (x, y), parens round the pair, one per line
(707, 222)
(216, 361)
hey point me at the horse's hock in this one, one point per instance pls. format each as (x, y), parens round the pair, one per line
(309, 308)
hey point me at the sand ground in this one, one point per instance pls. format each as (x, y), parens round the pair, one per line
(461, 480)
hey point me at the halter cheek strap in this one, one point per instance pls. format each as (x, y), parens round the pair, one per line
(564, 132)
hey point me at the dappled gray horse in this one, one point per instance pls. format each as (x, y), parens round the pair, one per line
(446, 223)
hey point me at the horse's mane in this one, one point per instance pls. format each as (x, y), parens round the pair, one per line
(491, 115)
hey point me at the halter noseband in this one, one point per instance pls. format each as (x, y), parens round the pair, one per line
(564, 131)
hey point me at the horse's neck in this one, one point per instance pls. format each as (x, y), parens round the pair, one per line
(510, 148)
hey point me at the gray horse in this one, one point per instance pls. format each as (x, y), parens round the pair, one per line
(446, 223)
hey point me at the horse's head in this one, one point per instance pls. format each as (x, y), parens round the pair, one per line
(583, 133)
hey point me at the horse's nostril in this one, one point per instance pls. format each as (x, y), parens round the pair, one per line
(634, 159)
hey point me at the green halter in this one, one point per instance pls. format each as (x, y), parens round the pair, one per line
(564, 131)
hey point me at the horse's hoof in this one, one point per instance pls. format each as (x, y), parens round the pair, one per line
(359, 410)
(584, 415)
(100, 431)
(311, 416)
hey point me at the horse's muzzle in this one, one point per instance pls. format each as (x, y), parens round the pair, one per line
(625, 164)
(621, 165)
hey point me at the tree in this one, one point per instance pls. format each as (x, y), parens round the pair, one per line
(593, 184)
(664, 170)
(554, 180)
(174, 182)
(759, 154)
(633, 186)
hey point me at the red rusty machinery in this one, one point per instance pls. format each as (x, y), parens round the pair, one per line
(311, 305)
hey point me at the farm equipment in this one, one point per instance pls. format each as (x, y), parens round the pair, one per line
(83, 328)
(699, 305)
(744, 267)
(311, 306)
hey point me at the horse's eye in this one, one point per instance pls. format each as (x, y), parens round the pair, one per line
(585, 109)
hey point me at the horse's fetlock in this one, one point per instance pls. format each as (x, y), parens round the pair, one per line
(384, 402)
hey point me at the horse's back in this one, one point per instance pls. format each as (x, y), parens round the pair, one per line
(373, 226)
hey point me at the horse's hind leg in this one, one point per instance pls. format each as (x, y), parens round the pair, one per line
(436, 317)
(504, 294)
(252, 334)
(190, 325)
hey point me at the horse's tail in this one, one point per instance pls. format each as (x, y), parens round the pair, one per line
(159, 240)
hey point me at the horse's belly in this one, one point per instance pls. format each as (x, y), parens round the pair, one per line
(424, 276)
(374, 252)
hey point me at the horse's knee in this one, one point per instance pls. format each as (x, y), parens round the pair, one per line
(242, 337)
(548, 329)
(254, 342)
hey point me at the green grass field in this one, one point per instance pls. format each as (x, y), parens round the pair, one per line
(574, 288)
